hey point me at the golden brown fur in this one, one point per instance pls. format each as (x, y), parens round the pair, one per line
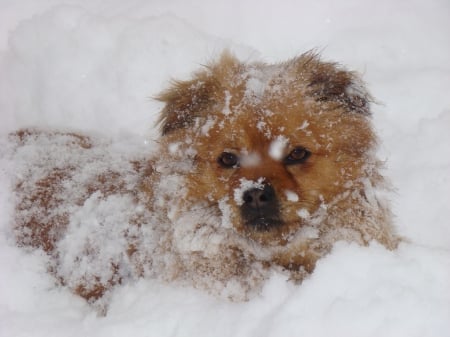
(197, 208)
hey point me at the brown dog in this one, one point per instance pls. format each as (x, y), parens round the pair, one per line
(258, 167)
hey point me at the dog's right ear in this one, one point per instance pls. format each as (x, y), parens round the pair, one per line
(187, 100)
(184, 102)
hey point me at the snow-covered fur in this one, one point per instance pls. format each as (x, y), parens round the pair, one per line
(258, 167)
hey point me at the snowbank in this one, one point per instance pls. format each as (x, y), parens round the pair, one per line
(94, 65)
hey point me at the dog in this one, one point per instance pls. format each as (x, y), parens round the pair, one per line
(259, 167)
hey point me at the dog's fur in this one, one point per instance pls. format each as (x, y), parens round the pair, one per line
(258, 167)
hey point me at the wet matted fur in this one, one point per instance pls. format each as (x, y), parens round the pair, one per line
(258, 167)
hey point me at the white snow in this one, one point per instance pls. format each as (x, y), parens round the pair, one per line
(226, 109)
(256, 83)
(225, 208)
(304, 125)
(303, 213)
(93, 65)
(277, 147)
(207, 126)
(250, 159)
(291, 196)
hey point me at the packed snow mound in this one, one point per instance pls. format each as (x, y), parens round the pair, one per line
(83, 69)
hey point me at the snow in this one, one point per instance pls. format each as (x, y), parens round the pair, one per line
(249, 159)
(303, 213)
(94, 65)
(226, 109)
(291, 196)
(277, 147)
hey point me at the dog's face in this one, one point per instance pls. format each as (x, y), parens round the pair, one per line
(270, 144)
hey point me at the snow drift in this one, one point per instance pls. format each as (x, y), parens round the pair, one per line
(94, 66)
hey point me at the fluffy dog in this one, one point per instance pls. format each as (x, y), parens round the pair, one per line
(258, 167)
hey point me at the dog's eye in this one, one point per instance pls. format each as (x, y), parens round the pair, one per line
(297, 156)
(228, 160)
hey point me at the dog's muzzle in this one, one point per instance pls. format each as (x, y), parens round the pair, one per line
(260, 210)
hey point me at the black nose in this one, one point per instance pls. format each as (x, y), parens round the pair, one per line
(260, 210)
(259, 198)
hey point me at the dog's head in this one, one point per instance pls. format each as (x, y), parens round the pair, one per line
(271, 145)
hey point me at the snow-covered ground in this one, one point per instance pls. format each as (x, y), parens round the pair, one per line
(93, 65)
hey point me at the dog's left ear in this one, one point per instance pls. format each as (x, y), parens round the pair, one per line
(329, 82)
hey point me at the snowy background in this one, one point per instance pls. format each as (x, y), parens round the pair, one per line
(93, 65)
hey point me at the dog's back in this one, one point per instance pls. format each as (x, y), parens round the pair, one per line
(77, 198)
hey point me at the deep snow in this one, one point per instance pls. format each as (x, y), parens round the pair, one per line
(94, 65)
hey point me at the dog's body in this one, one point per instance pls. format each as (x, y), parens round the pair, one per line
(258, 167)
